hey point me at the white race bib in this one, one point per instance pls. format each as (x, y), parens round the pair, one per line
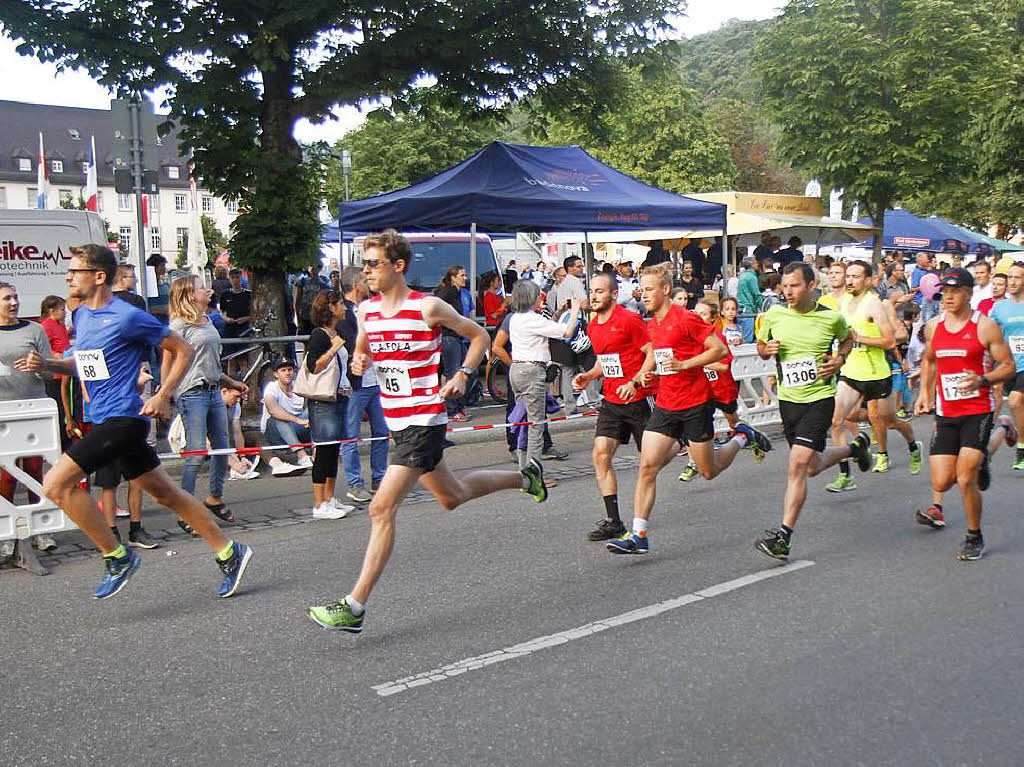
(91, 365)
(611, 365)
(712, 375)
(802, 371)
(661, 356)
(1016, 344)
(394, 380)
(950, 384)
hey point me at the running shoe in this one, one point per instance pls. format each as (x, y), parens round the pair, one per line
(757, 441)
(860, 451)
(902, 414)
(628, 543)
(881, 463)
(1010, 430)
(285, 469)
(233, 569)
(773, 544)
(984, 474)
(44, 542)
(538, 488)
(971, 548)
(931, 517)
(357, 493)
(916, 458)
(689, 473)
(1018, 464)
(554, 454)
(141, 540)
(336, 616)
(606, 529)
(841, 484)
(328, 510)
(305, 463)
(119, 570)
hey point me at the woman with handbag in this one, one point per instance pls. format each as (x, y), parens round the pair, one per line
(198, 394)
(324, 384)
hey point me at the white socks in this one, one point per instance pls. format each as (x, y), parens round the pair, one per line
(354, 605)
(639, 527)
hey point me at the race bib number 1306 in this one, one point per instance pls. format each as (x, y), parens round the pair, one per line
(799, 372)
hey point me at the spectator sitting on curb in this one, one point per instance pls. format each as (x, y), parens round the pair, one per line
(285, 419)
(242, 466)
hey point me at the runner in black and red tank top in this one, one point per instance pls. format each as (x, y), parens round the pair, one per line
(400, 332)
(954, 382)
(619, 338)
(681, 344)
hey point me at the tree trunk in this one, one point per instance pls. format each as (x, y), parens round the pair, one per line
(877, 206)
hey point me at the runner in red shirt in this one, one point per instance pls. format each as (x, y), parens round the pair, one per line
(681, 344)
(619, 339)
(954, 382)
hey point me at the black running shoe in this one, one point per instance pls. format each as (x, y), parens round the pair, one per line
(971, 548)
(984, 474)
(860, 451)
(773, 544)
(607, 529)
(140, 539)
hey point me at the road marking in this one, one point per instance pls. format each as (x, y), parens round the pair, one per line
(551, 640)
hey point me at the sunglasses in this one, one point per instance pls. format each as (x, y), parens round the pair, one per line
(372, 263)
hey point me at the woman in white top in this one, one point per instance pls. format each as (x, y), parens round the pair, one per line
(529, 332)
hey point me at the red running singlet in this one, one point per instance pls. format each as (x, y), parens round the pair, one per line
(956, 354)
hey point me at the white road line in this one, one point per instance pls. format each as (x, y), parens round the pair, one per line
(540, 643)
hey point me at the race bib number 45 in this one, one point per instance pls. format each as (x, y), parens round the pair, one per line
(394, 380)
(799, 372)
(661, 356)
(91, 365)
(611, 365)
(950, 384)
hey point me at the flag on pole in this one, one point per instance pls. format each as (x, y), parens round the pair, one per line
(196, 256)
(42, 178)
(145, 210)
(92, 199)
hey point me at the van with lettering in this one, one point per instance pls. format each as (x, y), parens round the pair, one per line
(35, 250)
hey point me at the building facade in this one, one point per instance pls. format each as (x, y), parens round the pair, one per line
(66, 139)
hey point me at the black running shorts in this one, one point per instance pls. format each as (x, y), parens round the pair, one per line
(694, 424)
(118, 441)
(1017, 384)
(726, 407)
(620, 421)
(807, 423)
(869, 390)
(419, 447)
(951, 434)
(108, 477)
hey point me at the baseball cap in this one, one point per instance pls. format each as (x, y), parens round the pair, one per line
(957, 277)
(284, 362)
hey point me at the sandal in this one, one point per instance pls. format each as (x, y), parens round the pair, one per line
(187, 528)
(221, 511)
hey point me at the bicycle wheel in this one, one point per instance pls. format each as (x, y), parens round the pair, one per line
(497, 381)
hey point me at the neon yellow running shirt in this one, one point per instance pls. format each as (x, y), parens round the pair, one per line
(865, 363)
(805, 340)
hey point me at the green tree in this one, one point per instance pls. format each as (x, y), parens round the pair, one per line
(718, 65)
(876, 96)
(752, 143)
(215, 239)
(656, 132)
(241, 74)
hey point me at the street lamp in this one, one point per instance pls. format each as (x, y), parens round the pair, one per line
(346, 168)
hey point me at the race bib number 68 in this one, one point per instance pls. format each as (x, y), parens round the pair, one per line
(91, 365)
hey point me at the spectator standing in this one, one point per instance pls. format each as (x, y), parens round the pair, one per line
(492, 304)
(656, 255)
(713, 262)
(572, 286)
(925, 264)
(748, 294)
(772, 295)
(236, 307)
(285, 420)
(511, 277)
(452, 350)
(629, 287)
(53, 313)
(551, 305)
(327, 417)
(220, 281)
(540, 274)
(695, 255)
(335, 280)
(790, 254)
(18, 337)
(365, 396)
(690, 282)
(764, 250)
(306, 289)
(124, 286)
(894, 286)
(198, 395)
(157, 306)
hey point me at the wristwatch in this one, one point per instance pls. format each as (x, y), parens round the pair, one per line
(467, 370)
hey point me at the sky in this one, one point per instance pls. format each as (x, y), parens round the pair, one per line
(26, 79)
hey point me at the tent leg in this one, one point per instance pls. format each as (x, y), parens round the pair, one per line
(472, 259)
(588, 263)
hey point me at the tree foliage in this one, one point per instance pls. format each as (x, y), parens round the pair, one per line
(876, 96)
(718, 64)
(752, 144)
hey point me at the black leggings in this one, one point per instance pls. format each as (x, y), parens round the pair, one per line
(325, 463)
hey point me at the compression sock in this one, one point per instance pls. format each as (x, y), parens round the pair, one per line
(611, 507)
(119, 553)
(787, 532)
(354, 605)
(639, 527)
(973, 533)
(225, 554)
(844, 467)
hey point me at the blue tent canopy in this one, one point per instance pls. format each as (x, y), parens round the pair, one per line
(902, 230)
(509, 188)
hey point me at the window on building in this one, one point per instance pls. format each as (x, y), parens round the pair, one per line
(24, 163)
(154, 238)
(173, 171)
(3, 197)
(206, 204)
(66, 197)
(56, 166)
(125, 236)
(154, 203)
(124, 202)
(231, 206)
(180, 203)
(30, 198)
(182, 233)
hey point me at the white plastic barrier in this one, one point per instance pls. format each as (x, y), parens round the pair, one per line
(29, 428)
(752, 374)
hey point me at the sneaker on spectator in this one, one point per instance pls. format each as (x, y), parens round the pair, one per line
(281, 468)
(140, 539)
(327, 510)
(357, 493)
(305, 463)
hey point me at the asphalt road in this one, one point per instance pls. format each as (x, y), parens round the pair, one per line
(885, 650)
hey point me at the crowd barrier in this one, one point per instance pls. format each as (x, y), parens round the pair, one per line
(29, 429)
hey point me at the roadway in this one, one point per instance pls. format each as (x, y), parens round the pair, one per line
(499, 635)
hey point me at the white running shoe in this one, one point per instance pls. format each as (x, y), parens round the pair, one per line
(344, 508)
(326, 510)
(305, 463)
(285, 469)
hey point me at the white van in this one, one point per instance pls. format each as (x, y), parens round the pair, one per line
(35, 250)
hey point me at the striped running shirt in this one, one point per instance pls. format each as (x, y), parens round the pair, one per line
(406, 355)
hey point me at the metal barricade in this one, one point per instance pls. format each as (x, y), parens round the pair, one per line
(753, 375)
(28, 429)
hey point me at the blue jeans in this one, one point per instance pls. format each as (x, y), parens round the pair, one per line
(285, 433)
(326, 423)
(452, 355)
(747, 323)
(366, 399)
(205, 418)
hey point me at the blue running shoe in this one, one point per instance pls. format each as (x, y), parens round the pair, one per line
(119, 570)
(233, 568)
(628, 544)
(758, 441)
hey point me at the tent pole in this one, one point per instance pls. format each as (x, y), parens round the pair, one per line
(725, 259)
(588, 263)
(472, 259)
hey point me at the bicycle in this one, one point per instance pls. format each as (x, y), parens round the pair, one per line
(262, 368)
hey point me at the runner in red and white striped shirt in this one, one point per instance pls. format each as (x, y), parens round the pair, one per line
(400, 333)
